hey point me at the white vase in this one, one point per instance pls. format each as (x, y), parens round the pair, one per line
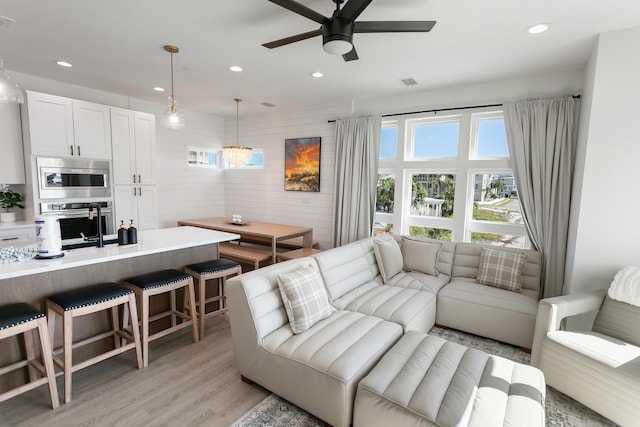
(7, 216)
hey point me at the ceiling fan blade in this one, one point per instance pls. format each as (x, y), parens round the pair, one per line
(293, 39)
(350, 56)
(393, 26)
(296, 7)
(353, 9)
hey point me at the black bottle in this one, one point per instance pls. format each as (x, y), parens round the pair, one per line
(123, 235)
(133, 234)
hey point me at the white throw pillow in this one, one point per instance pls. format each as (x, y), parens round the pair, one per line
(420, 256)
(305, 298)
(501, 269)
(625, 286)
(388, 257)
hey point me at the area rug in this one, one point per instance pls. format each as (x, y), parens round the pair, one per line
(561, 411)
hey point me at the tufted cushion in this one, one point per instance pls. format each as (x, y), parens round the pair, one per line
(88, 295)
(18, 313)
(305, 298)
(388, 257)
(215, 266)
(619, 320)
(501, 269)
(157, 279)
(420, 256)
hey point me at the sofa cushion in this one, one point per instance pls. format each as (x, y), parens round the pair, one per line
(419, 281)
(501, 269)
(619, 320)
(388, 257)
(305, 298)
(420, 256)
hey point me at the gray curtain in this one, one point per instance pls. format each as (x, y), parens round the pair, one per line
(357, 153)
(541, 147)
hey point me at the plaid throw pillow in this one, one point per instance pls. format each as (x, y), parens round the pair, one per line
(305, 298)
(501, 269)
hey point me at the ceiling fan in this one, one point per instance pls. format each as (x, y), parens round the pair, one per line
(337, 31)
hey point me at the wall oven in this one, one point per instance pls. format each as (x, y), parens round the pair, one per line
(74, 218)
(73, 178)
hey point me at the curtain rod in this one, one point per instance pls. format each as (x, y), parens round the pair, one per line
(437, 110)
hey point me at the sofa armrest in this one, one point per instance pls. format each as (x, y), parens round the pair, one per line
(551, 312)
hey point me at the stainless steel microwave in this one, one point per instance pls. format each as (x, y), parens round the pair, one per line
(73, 178)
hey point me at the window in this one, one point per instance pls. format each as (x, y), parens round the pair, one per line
(432, 139)
(202, 157)
(453, 183)
(255, 162)
(389, 141)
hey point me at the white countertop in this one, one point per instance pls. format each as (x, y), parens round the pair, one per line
(149, 242)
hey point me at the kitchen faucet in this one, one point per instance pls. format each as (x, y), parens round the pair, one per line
(97, 206)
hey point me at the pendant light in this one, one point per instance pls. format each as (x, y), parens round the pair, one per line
(9, 91)
(172, 118)
(237, 155)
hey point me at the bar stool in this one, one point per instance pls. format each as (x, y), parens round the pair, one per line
(23, 318)
(83, 301)
(220, 269)
(160, 282)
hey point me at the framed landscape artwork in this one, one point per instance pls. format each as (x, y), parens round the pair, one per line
(302, 164)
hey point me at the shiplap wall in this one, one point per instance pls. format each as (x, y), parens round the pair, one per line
(187, 192)
(259, 194)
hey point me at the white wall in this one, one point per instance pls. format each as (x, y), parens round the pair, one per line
(183, 192)
(259, 194)
(605, 230)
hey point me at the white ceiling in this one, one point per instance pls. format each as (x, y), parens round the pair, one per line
(116, 46)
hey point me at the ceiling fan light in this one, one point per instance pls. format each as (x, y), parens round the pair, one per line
(337, 47)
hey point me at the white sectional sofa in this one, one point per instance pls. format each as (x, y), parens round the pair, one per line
(319, 369)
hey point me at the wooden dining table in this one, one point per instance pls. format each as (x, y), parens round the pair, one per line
(256, 231)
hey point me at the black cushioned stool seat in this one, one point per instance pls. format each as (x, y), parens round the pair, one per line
(22, 318)
(159, 282)
(87, 300)
(220, 269)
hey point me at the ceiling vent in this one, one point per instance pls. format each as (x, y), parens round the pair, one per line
(268, 104)
(409, 81)
(5, 22)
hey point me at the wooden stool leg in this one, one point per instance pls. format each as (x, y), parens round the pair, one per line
(202, 305)
(145, 329)
(172, 297)
(67, 338)
(30, 353)
(135, 331)
(115, 323)
(192, 302)
(47, 361)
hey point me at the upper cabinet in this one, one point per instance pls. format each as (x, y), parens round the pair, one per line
(63, 127)
(133, 143)
(12, 159)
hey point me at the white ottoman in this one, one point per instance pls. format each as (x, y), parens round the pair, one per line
(424, 380)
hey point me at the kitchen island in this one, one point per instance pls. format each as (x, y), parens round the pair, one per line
(32, 281)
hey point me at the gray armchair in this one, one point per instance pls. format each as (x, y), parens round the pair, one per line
(595, 367)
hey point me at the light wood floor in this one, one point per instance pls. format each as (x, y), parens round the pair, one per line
(185, 384)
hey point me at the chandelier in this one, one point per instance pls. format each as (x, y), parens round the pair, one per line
(172, 118)
(236, 155)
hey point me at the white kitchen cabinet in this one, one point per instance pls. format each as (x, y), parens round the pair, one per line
(133, 143)
(12, 158)
(137, 203)
(17, 235)
(63, 127)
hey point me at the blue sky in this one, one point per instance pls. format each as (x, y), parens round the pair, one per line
(441, 140)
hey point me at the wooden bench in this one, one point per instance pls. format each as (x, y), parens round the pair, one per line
(297, 253)
(289, 244)
(245, 253)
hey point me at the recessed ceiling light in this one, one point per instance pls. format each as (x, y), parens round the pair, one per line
(538, 28)
(63, 63)
(235, 68)
(317, 74)
(158, 89)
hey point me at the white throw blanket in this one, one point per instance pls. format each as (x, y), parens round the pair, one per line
(626, 286)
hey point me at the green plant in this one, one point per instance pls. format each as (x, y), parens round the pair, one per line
(10, 199)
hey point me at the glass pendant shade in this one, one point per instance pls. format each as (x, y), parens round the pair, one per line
(9, 91)
(173, 117)
(237, 155)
